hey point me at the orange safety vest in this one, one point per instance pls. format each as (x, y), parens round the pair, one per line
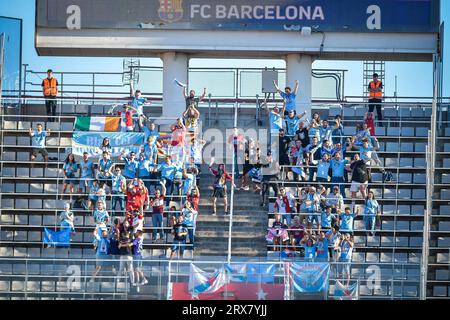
(375, 86)
(50, 87)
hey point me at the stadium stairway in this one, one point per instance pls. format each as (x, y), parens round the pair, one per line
(438, 281)
(249, 219)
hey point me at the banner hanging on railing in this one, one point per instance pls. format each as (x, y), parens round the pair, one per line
(309, 277)
(57, 238)
(90, 142)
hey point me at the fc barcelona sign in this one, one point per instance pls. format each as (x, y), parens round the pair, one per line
(415, 16)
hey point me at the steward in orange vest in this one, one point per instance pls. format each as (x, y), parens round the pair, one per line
(50, 90)
(375, 88)
(376, 97)
(50, 85)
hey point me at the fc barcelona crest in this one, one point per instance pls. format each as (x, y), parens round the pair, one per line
(170, 10)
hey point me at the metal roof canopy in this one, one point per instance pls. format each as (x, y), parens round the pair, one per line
(347, 29)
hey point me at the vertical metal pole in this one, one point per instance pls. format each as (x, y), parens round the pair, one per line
(169, 284)
(93, 88)
(209, 110)
(237, 84)
(257, 110)
(233, 174)
(26, 279)
(431, 154)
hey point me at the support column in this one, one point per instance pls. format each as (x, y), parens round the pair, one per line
(175, 66)
(299, 67)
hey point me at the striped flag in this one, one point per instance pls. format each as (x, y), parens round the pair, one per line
(101, 124)
(342, 292)
(205, 282)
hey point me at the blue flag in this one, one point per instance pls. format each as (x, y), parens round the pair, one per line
(309, 277)
(57, 238)
(263, 273)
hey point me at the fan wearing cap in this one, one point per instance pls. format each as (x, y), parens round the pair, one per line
(66, 218)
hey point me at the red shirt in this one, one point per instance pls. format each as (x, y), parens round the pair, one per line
(178, 136)
(134, 198)
(285, 202)
(298, 232)
(128, 118)
(158, 204)
(371, 125)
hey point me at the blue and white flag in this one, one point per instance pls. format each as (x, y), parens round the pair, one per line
(205, 282)
(342, 292)
(57, 238)
(90, 142)
(264, 273)
(178, 83)
(309, 277)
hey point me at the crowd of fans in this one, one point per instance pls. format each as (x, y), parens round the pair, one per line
(315, 159)
(160, 183)
(326, 173)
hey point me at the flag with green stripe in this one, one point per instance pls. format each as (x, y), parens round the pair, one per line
(102, 124)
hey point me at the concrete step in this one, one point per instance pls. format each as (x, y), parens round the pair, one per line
(225, 218)
(245, 252)
(243, 227)
(236, 235)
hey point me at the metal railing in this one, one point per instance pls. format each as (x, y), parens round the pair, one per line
(73, 278)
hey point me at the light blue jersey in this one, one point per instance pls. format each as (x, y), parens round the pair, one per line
(276, 122)
(130, 168)
(310, 251)
(102, 246)
(371, 207)
(322, 249)
(289, 99)
(117, 182)
(327, 219)
(167, 171)
(38, 139)
(338, 167)
(292, 125)
(101, 216)
(322, 169)
(87, 168)
(347, 221)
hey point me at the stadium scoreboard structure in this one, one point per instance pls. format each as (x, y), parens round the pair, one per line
(300, 31)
